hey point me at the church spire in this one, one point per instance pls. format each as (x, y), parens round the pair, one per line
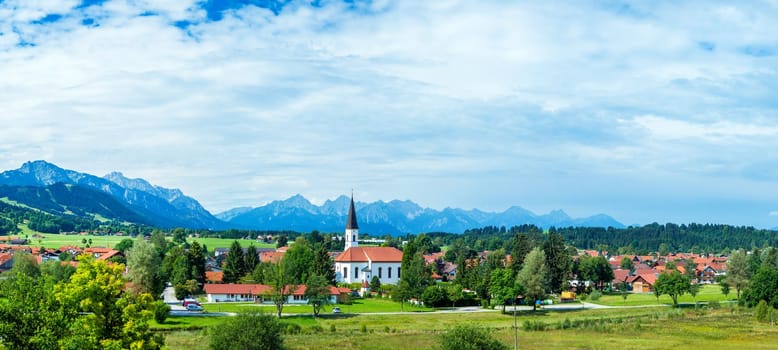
(351, 222)
(352, 229)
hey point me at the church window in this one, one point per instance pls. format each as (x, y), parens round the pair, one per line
(356, 272)
(389, 272)
(399, 271)
(345, 273)
(379, 272)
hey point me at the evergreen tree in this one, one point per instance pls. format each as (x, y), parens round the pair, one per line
(558, 261)
(323, 264)
(251, 258)
(233, 265)
(196, 256)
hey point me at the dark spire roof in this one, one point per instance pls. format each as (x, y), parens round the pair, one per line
(351, 222)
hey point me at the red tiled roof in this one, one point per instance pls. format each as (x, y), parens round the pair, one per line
(258, 289)
(214, 276)
(273, 257)
(374, 254)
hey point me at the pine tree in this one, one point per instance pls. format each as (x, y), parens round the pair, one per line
(233, 266)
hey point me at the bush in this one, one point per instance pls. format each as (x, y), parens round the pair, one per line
(595, 295)
(244, 330)
(292, 328)
(333, 329)
(761, 311)
(714, 305)
(161, 310)
(363, 328)
(467, 337)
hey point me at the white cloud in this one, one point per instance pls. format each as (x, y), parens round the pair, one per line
(411, 96)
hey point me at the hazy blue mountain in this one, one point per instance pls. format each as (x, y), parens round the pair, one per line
(393, 217)
(154, 205)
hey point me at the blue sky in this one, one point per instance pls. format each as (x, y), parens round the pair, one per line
(647, 111)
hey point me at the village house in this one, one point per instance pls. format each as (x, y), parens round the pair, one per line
(260, 293)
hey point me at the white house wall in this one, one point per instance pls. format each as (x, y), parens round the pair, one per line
(367, 276)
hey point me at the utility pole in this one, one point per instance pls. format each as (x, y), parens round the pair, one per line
(515, 326)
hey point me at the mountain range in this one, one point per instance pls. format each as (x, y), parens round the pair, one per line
(47, 187)
(394, 217)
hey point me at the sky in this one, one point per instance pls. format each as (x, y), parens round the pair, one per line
(648, 111)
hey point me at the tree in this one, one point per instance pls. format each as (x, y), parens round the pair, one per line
(323, 264)
(534, 275)
(763, 286)
(124, 245)
(738, 271)
(251, 258)
(179, 235)
(196, 257)
(143, 268)
(108, 318)
(558, 261)
(724, 287)
(415, 276)
(30, 316)
(521, 246)
(317, 291)
(468, 337)
(673, 284)
(281, 241)
(435, 296)
(298, 260)
(627, 264)
(375, 284)
(504, 286)
(280, 287)
(248, 331)
(233, 266)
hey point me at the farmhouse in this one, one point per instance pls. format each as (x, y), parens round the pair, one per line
(359, 264)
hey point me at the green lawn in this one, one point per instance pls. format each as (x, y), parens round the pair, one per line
(57, 240)
(706, 294)
(371, 305)
(645, 328)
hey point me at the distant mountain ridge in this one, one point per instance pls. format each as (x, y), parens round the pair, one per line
(150, 204)
(47, 187)
(394, 217)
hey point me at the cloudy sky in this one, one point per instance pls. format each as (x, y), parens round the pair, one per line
(646, 111)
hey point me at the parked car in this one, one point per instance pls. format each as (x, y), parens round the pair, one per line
(187, 302)
(194, 307)
(335, 310)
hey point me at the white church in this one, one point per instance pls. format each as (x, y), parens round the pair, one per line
(360, 264)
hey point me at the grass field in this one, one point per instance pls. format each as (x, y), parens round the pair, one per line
(58, 240)
(706, 294)
(372, 305)
(645, 328)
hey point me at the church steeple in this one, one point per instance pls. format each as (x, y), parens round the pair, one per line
(351, 222)
(352, 228)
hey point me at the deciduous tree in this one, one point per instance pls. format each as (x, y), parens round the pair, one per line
(534, 275)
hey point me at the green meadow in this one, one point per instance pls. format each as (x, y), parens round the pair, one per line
(707, 293)
(57, 240)
(645, 328)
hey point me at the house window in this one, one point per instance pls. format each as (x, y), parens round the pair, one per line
(354, 238)
(389, 272)
(399, 271)
(356, 272)
(345, 273)
(379, 273)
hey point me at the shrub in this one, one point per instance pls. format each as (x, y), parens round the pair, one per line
(761, 311)
(595, 295)
(467, 337)
(714, 305)
(243, 330)
(161, 311)
(363, 328)
(292, 328)
(332, 328)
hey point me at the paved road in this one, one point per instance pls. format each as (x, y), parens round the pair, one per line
(169, 297)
